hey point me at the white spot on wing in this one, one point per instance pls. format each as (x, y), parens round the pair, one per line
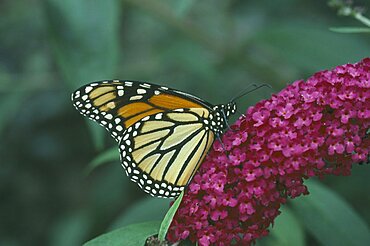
(141, 91)
(77, 94)
(138, 97)
(88, 89)
(108, 116)
(145, 85)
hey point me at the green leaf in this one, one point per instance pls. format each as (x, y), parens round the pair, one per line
(104, 157)
(350, 29)
(149, 208)
(168, 218)
(329, 218)
(286, 231)
(132, 235)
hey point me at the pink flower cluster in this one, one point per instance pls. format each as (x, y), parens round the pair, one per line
(311, 128)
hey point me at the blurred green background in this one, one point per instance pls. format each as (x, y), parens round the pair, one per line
(212, 49)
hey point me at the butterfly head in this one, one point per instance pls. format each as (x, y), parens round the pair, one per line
(221, 114)
(230, 109)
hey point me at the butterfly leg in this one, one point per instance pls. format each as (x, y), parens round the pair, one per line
(223, 147)
(222, 144)
(226, 122)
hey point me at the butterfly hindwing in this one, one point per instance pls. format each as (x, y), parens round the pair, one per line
(162, 152)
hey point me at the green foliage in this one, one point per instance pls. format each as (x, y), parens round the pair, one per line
(289, 40)
(8, 104)
(147, 209)
(211, 48)
(109, 155)
(346, 8)
(350, 29)
(71, 230)
(329, 218)
(168, 218)
(286, 231)
(84, 37)
(133, 235)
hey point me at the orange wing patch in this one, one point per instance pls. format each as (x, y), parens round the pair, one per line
(139, 116)
(172, 102)
(132, 109)
(135, 111)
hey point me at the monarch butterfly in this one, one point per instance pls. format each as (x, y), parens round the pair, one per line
(163, 134)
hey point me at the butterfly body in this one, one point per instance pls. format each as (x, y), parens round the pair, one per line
(163, 134)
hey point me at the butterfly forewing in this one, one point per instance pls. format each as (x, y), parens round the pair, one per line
(117, 104)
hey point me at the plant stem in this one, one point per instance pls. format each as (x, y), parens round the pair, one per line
(363, 19)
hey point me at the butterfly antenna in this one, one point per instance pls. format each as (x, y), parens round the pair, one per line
(248, 90)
